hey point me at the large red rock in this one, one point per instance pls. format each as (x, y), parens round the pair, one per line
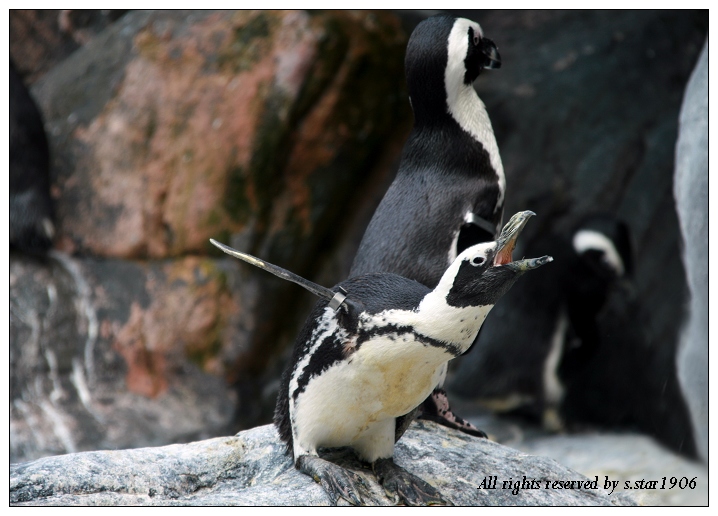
(271, 131)
(217, 124)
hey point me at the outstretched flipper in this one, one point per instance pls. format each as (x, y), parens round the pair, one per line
(436, 408)
(336, 299)
(338, 482)
(403, 487)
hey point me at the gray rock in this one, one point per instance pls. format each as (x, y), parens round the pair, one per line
(620, 456)
(251, 468)
(627, 458)
(106, 354)
(691, 192)
(41, 38)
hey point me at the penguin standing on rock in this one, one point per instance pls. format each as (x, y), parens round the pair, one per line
(449, 190)
(371, 352)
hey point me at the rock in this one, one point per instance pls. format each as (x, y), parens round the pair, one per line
(627, 458)
(265, 130)
(251, 125)
(620, 456)
(251, 468)
(690, 188)
(578, 124)
(116, 354)
(41, 38)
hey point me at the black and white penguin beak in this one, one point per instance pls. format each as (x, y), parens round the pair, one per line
(492, 59)
(507, 242)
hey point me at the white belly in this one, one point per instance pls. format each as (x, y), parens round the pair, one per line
(354, 402)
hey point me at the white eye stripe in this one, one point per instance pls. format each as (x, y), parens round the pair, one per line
(464, 104)
(586, 240)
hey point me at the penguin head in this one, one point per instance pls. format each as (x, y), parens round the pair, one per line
(603, 246)
(445, 53)
(483, 273)
(470, 50)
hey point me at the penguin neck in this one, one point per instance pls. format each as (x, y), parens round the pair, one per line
(466, 109)
(463, 108)
(458, 325)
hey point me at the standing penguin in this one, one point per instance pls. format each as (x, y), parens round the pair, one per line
(449, 190)
(372, 350)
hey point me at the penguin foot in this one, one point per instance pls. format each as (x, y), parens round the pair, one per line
(336, 481)
(403, 487)
(436, 408)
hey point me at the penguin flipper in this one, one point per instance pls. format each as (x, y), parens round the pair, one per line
(436, 408)
(338, 482)
(404, 487)
(403, 422)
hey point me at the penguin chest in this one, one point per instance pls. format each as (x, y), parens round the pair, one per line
(387, 376)
(398, 372)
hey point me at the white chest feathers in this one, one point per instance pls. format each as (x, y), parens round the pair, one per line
(355, 401)
(466, 107)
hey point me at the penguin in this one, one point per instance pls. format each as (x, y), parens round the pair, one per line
(449, 190)
(372, 350)
(31, 211)
(528, 352)
(612, 372)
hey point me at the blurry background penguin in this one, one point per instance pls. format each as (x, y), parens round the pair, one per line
(555, 352)
(31, 213)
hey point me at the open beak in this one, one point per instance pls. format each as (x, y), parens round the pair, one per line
(507, 242)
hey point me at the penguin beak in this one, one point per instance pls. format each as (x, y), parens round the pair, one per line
(492, 59)
(530, 263)
(507, 239)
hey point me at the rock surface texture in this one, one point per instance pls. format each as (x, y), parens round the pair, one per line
(636, 459)
(691, 191)
(251, 468)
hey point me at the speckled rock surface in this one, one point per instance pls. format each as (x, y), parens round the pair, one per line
(41, 38)
(173, 127)
(628, 458)
(251, 468)
(115, 354)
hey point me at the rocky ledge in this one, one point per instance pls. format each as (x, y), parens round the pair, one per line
(251, 468)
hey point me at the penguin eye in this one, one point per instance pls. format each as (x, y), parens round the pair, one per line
(476, 40)
(477, 261)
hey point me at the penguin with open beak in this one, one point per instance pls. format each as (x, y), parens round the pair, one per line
(372, 350)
